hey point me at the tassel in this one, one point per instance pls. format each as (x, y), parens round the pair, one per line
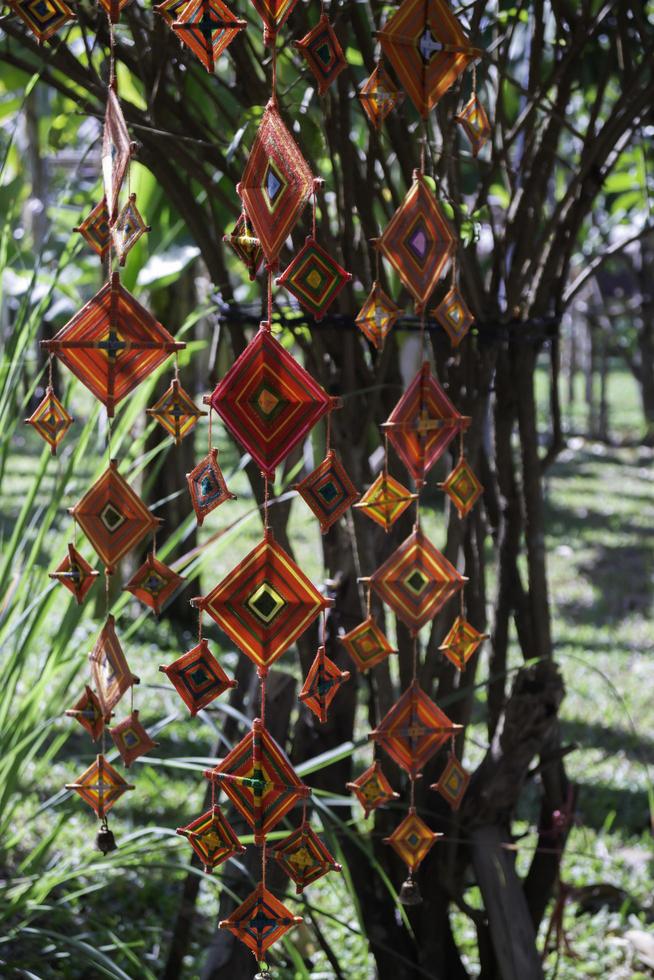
(105, 840)
(410, 893)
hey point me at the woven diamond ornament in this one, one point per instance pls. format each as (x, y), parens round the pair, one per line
(131, 739)
(197, 677)
(462, 487)
(43, 17)
(113, 8)
(268, 401)
(474, 122)
(304, 857)
(264, 604)
(428, 49)
(154, 583)
(454, 316)
(377, 316)
(176, 411)
(246, 245)
(379, 96)
(385, 500)
(314, 278)
(323, 53)
(88, 712)
(207, 27)
(276, 183)
(95, 229)
(372, 788)
(416, 581)
(75, 573)
(413, 730)
(423, 424)
(212, 837)
(322, 684)
(50, 419)
(461, 642)
(127, 229)
(100, 786)
(117, 150)
(259, 780)
(453, 782)
(112, 344)
(328, 491)
(109, 668)
(113, 517)
(412, 840)
(207, 486)
(274, 14)
(260, 921)
(367, 645)
(418, 241)
(171, 10)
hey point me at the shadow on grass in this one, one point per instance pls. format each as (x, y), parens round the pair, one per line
(610, 740)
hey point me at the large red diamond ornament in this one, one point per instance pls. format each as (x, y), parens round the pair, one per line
(426, 46)
(276, 183)
(112, 344)
(413, 730)
(264, 604)
(416, 581)
(207, 27)
(259, 780)
(418, 241)
(260, 921)
(268, 401)
(422, 424)
(212, 837)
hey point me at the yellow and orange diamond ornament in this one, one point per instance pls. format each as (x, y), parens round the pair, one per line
(461, 642)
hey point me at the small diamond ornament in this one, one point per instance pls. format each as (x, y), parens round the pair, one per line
(100, 786)
(88, 712)
(385, 500)
(212, 837)
(246, 245)
(95, 229)
(462, 487)
(453, 782)
(328, 491)
(197, 677)
(412, 840)
(304, 857)
(75, 573)
(323, 53)
(314, 278)
(50, 419)
(377, 316)
(322, 684)
(454, 316)
(378, 96)
(372, 788)
(367, 645)
(474, 122)
(154, 583)
(131, 739)
(127, 229)
(176, 411)
(207, 486)
(461, 642)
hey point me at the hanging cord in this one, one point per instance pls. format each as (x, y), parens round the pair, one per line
(414, 667)
(266, 504)
(271, 39)
(474, 80)
(314, 205)
(176, 375)
(368, 601)
(50, 372)
(328, 435)
(210, 427)
(269, 299)
(106, 592)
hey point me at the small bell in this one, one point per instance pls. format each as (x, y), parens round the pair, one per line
(264, 973)
(410, 893)
(105, 840)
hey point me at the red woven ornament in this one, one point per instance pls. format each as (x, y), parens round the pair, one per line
(88, 712)
(43, 17)
(207, 486)
(212, 837)
(75, 573)
(328, 491)
(260, 921)
(51, 420)
(268, 401)
(412, 840)
(462, 487)
(377, 316)
(264, 604)
(131, 739)
(274, 14)
(207, 27)
(453, 783)
(416, 581)
(418, 241)
(197, 677)
(367, 645)
(321, 685)
(117, 150)
(276, 183)
(423, 424)
(244, 243)
(304, 857)
(259, 780)
(372, 789)
(113, 8)
(176, 411)
(323, 53)
(379, 96)
(113, 518)
(100, 786)
(127, 229)
(474, 122)
(109, 668)
(171, 10)
(385, 500)
(426, 46)
(314, 278)
(112, 344)
(454, 316)
(154, 583)
(95, 229)
(413, 730)
(461, 642)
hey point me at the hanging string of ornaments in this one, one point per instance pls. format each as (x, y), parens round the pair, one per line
(269, 403)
